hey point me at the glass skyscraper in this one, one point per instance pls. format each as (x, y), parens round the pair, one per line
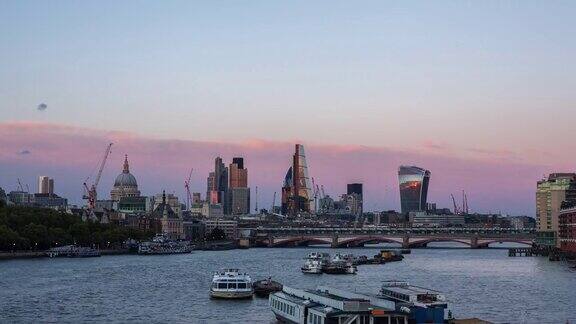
(297, 189)
(413, 188)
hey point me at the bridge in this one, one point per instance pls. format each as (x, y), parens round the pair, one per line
(404, 237)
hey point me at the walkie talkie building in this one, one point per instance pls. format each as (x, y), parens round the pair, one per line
(413, 188)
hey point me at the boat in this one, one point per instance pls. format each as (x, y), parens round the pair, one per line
(160, 244)
(340, 265)
(231, 284)
(387, 256)
(426, 304)
(264, 287)
(83, 252)
(73, 251)
(314, 263)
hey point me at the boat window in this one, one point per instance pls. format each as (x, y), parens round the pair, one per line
(232, 285)
(221, 285)
(242, 285)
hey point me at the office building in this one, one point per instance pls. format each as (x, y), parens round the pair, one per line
(297, 194)
(229, 227)
(238, 174)
(567, 228)
(413, 188)
(238, 198)
(50, 200)
(211, 192)
(239, 201)
(45, 185)
(550, 193)
(196, 198)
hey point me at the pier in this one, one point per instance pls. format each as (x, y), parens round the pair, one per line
(527, 252)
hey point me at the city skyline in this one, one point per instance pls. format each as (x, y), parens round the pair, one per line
(164, 164)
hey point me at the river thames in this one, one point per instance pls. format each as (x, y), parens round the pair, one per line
(483, 283)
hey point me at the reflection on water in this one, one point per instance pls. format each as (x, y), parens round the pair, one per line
(483, 283)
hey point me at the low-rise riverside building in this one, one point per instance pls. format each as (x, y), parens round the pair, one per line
(230, 227)
(567, 229)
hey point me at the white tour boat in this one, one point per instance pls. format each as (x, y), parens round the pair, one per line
(314, 263)
(231, 284)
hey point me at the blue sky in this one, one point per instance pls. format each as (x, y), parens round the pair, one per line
(460, 78)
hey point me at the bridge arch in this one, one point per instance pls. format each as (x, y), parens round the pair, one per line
(300, 241)
(361, 240)
(425, 242)
(517, 241)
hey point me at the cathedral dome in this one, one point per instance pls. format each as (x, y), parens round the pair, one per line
(125, 184)
(125, 179)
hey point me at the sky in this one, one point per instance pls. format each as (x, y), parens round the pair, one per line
(480, 93)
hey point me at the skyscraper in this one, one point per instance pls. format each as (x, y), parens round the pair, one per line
(355, 190)
(297, 189)
(44, 185)
(238, 174)
(211, 189)
(238, 202)
(221, 179)
(413, 188)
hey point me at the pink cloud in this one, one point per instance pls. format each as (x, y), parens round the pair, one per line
(70, 154)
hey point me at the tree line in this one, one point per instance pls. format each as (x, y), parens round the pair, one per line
(26, 228)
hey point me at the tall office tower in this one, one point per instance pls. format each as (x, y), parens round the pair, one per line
(238, 174)
(413, 188)
(211, 189)
(287, 187)
(297, 197)
(221, 179)
(51, 187)
(355, 189)
(44, 185)
(550, 193)
(238, 198)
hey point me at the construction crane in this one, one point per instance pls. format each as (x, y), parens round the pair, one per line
(456, 210)
(273, 203)
(187, 186)
(256, 207)
(317, 193)
(20, 185)
(315, 196)
(91, 193)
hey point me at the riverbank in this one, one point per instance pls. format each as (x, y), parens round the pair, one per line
(43, 254)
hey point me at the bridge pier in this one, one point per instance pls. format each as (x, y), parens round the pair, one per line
(334, 241)
(406, 242)
(474, 243)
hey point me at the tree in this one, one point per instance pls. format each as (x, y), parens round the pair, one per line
(216, 234)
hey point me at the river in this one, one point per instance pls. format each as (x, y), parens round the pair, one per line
(483, 283)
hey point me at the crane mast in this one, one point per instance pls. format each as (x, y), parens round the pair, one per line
(187, 186)
(456, 211)
(91, 193)
(273, 203)
(256, 207)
